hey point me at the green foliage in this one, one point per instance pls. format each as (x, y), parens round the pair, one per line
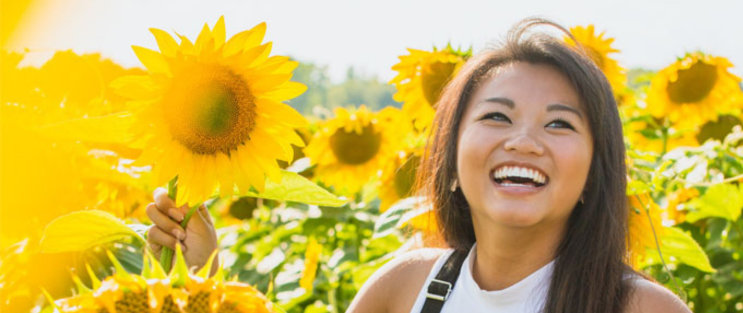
(269, 250)
(712, 228)
(723, 200)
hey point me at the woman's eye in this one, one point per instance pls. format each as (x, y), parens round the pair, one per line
(559, 123)
(496, 116)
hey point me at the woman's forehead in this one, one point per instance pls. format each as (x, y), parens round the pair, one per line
(522, 83)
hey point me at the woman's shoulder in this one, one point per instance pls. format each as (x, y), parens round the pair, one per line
(395, 286)
(649, 296)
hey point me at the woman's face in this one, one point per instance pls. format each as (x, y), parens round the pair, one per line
(524, 148)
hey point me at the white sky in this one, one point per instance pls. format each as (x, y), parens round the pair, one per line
(370, 35)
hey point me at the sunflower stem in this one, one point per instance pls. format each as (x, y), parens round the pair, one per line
(166, 254)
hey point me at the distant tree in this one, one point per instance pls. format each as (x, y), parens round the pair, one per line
(317, 81)
(355, 90)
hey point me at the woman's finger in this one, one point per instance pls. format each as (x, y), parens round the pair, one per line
(164, 222)
(154, 246)
(165, 204)
(160, 237)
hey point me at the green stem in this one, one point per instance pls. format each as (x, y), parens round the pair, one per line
(166, 254)
(665, 140)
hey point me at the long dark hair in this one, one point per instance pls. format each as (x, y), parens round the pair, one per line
(588, 275)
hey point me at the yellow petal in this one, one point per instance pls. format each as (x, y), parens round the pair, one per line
(267, 82)
(288, 90)
(152, 60)
(241, 177)
(260, 138)
(208, 174)
(253, 172)
(280, 131)
(268, 166)
(135, 87)
(255, 55)
(224, 173)
(281, 112)
(185, 180)
(245, 40)
(186, 47)
(204, 37)
(168, 45)
(219, 32)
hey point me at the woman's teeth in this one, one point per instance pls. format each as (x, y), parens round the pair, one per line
(519, 176)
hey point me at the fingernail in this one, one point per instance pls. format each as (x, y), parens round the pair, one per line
(177, 215)
(179, 234)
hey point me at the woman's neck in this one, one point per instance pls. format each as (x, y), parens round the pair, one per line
(503, 257)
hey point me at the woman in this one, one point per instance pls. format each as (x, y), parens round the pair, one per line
(526, 174)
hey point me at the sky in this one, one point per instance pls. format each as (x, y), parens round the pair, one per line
(370, 35)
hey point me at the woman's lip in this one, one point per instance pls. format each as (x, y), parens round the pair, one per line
(516, 190)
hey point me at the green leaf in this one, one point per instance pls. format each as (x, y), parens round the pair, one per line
(112, 128)
(82, 230)
(679, 247)
(635, 187)
(296, 188)
(721, 200)
(393, 217)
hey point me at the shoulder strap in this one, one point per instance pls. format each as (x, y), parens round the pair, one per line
(440, 287)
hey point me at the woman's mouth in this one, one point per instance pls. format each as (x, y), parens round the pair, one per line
(516, 178)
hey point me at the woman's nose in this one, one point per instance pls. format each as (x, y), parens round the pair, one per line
(524, 142)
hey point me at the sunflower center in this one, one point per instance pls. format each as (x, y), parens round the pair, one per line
(433, 79)
(354, 149)
(693, 84)
(405, 176)
(209, 108)
(718, 130)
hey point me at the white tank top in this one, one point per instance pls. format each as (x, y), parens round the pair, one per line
(527, 295)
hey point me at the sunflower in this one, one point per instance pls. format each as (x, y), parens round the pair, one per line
(598, 49)
(421, 77)
(311, 260)
(644, 136)
(398, 177)
(352, 147)
(694, 89)
(210, 112)
(641, 232)
(676, 209)
(155, 292)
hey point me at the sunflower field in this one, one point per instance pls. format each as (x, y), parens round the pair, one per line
(309, 200)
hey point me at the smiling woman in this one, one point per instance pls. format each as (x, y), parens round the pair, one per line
(525, 171)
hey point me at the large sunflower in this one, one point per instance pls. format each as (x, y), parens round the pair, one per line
(352, 147)
(211, 112)
(598, 48)
(155, 292)
(421, 77)
(693, 90)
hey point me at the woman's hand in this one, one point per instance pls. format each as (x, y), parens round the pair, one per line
(197, 241)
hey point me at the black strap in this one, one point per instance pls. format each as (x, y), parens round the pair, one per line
(440, 287)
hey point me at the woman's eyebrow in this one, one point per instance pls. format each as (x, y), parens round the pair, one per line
(505, 101)
(552, 107)
(562, 107)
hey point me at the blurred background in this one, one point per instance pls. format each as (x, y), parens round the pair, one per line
(373, 72)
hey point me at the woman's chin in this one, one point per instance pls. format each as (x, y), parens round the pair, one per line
(517, 218)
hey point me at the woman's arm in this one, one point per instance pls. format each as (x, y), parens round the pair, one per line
(395, 286)
(649, 297)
